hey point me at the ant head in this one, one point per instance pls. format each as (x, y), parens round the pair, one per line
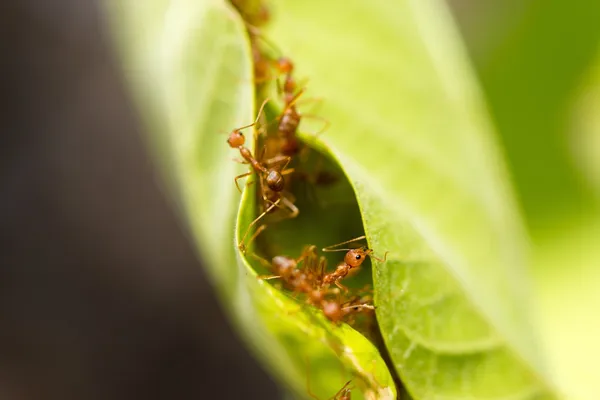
(236, 139)
(275, 181)
(355, 257)
(285, 65)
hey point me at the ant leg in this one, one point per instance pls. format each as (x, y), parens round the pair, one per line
(338, 284)
(241, 246)
(240, 177)
(291, 206)
(322, 267)
(326, 123)
(309, 251)
(268, 277)
(277, 160)
(265, 264)
(289, 159)
(252, 238)
(308, 99)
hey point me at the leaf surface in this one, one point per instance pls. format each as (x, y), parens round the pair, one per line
(410, 129)
(542, 82)
(190, 68)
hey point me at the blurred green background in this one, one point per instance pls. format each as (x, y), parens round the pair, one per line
(538, 64)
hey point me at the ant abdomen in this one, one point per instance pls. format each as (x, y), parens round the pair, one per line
(275, 181)
(289, 122)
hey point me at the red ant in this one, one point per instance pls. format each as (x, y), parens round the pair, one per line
(310, 281)
(290, 118)
(287, 269)
(303, 281)
(271, 177)
(353, 259)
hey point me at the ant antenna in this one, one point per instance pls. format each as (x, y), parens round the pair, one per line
(331, 248)
(264, 103)
(377, 258)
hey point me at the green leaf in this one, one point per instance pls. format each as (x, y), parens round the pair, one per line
(190, 67)
(566, 258)
(410, 129)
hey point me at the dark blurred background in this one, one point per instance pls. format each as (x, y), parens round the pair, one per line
(101, 294)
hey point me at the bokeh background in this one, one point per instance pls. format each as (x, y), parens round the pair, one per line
(101, 294)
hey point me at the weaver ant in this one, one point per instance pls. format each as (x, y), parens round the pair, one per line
(271, 179)
(353, 259)
(289, 120)
(300, 281)
(310, 281)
